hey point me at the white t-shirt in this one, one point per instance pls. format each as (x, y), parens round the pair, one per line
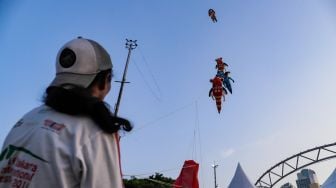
(48, 149)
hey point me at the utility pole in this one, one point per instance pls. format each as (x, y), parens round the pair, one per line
(214, 166)
(130, 45)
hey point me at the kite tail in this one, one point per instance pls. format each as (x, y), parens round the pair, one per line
(219, 104)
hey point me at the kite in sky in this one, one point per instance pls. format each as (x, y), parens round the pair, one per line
(212, 15)
(217, 91)
(188, 176)
(226, 81)
(221, 67)
(220, 83)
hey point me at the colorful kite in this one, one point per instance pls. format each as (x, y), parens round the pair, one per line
(217, 91)
(221, 67)
(188, 176)
(226, 81)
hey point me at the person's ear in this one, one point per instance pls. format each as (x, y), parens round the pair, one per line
(108, 77)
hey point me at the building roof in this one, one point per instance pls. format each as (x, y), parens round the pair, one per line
(240, 180)
(331, 181)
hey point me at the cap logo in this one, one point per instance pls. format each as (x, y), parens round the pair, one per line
(67, 58)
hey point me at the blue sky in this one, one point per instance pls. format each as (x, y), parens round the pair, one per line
(281, 55)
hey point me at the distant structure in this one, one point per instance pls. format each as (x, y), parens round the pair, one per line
(240, 180)
(331, 181)
(287, 185)
(307, 179)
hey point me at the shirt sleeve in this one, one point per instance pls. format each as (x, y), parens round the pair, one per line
(100, 163)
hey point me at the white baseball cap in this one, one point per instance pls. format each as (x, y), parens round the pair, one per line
(79, 61)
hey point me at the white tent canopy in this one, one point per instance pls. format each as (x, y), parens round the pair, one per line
(331, 181)
(240, 179)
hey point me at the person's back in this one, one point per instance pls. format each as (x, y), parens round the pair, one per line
(70, 141)
(50, 149)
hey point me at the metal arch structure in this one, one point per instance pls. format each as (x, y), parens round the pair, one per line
(294, 163)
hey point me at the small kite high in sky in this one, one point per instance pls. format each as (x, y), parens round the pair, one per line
(212, 15)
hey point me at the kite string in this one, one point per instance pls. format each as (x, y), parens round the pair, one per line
(200, 143)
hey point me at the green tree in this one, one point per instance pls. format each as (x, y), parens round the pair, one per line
(154, 181)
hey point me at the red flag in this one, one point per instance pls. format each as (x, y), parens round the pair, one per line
(188, 176)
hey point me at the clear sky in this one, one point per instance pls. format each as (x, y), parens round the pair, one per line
(281, 54)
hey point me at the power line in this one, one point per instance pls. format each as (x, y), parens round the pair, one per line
(151, 173)
(152, 75)
(146, 83)
(160, 171)
(160, 118)
(163, 183)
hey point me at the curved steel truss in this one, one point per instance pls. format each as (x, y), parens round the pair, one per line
(294, 163)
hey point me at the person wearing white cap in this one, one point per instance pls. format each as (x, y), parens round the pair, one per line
(71, 141)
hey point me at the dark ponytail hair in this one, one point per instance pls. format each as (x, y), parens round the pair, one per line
(76, 100)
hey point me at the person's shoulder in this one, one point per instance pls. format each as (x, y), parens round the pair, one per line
(37, 110)
(71, 121)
